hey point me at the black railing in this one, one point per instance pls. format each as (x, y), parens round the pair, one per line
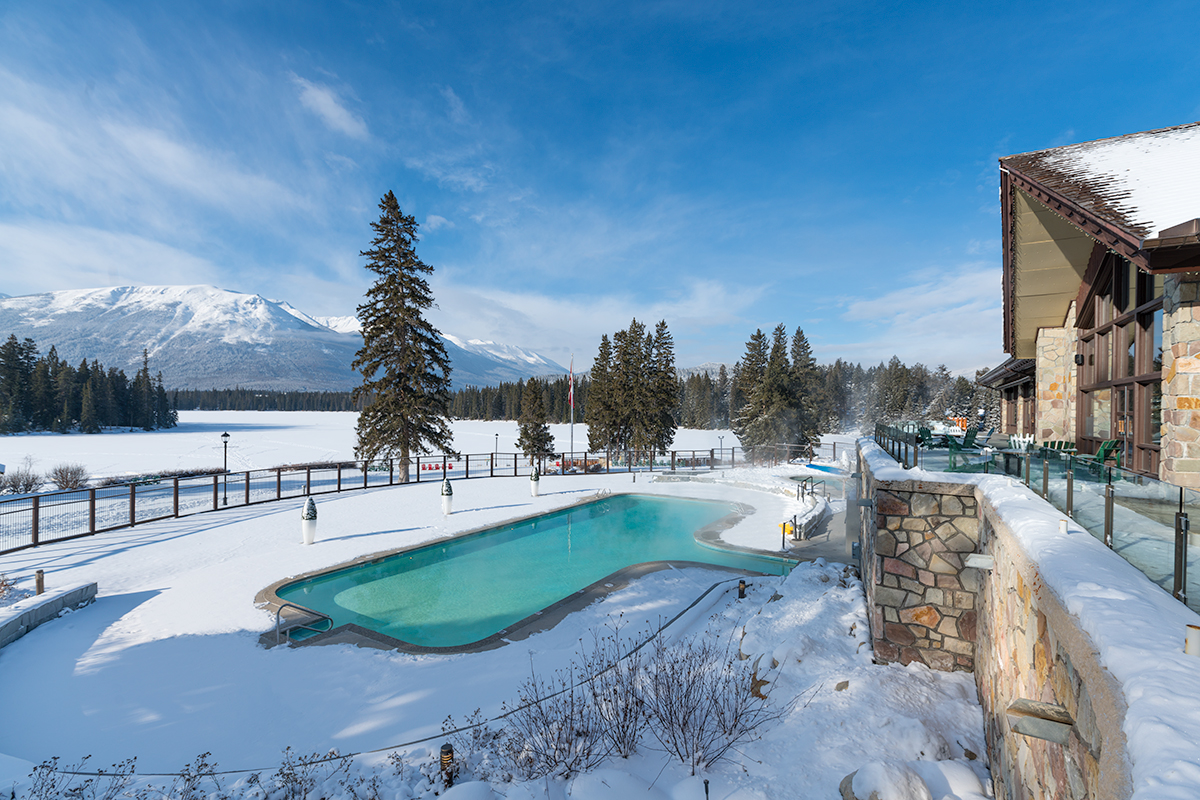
(33, 520)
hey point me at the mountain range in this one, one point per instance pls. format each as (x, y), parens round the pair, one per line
(203, 337)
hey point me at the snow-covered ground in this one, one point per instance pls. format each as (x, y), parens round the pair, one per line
(263, 439)
(167, 664)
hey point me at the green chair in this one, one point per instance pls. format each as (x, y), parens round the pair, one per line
(1109, 448)
(925, 437)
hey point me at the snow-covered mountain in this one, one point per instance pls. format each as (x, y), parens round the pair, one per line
(203, 337)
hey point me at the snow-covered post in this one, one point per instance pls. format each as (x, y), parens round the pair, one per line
(308, 521)
(447, 496)
(534, 481)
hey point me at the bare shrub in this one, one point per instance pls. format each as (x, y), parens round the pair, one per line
(479, 749)
(22, 480)
(189, 783)
(555, 728)
(299, 774)
(7, 586)
(702, 702)
(50, 783)
(616, 669)
(69, 476)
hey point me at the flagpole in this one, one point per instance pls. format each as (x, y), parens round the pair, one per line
(571, 398)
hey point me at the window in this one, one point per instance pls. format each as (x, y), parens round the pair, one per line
(1120, 380)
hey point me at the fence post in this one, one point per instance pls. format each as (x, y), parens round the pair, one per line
(492, 465)
(339, 485)
(307, 482)
(1045, 474)
(672, 461)
(1181, 543)
(418, 469)
(391, 471)
(514, 465)
(278, 483)
(247, 487)
(585, 467)
(1108, 515)
(1070, 486)
(366, 466)
(132, 504)
(91, 510)
(175, 495)
(35, 508)
(467, 466)
(215, 492)
(1028, 458)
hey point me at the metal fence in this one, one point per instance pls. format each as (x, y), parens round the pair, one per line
(34, 520)
(1143, 519)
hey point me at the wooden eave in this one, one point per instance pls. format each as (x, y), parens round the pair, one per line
(1158, 255)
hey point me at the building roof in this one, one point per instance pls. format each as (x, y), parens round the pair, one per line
(1143, 182)
(1063, 208)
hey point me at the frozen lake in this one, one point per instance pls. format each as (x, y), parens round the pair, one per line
(262, 439)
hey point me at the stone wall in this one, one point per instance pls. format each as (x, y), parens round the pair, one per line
(1180, 461)
(1031, 648)
(1014, 634)
(1055, 382)
(921, 597)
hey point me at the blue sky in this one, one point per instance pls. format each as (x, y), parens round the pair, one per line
(724, 166)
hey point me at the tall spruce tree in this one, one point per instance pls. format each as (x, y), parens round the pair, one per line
(405, 369)
(748, 374)
(534, 438)
(600, 409)
(664, 390)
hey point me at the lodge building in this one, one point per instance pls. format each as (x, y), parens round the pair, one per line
(1101, 287)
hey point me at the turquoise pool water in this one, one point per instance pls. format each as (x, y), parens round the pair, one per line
(462, 591)
(821, 468)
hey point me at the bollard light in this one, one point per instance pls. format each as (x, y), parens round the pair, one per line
(39, 579)
(1191, 641)
(706, 789)
(448, 763)
(742, 589)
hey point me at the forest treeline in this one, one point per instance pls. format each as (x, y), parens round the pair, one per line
(262, 400)
(45, 393)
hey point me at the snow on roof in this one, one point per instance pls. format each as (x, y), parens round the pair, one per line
(1143, 182)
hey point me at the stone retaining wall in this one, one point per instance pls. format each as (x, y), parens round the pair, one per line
(1031, 648)
(1003, 624)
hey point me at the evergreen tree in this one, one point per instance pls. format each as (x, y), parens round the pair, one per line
(664, 397)
(749, 371)
(88, 421)
(534, 439)
(600, 410)
(405, 369)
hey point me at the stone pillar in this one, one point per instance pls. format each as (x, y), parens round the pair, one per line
(920, 595)
(1180, 460)
(1055, 381)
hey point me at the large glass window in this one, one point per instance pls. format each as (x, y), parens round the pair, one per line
(1120, 380)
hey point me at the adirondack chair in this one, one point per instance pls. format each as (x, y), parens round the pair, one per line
(987, 437)
(1109, 448)
(968, 441)
(925, 437)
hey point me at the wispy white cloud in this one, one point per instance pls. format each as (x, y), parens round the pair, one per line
(325, 103)
(40, 256)
(454, 106)
(952, 317)
(558, 326)
(68, 160)
(434, 222)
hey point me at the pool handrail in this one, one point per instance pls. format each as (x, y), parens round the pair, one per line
(288, 633)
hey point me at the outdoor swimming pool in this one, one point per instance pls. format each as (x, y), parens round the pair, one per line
(462, 591)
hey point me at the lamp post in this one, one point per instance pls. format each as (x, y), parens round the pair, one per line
(722, 440)
(225, 477)
(496, 449)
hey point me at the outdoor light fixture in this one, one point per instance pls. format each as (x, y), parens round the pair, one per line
(225, 476)
(742, 589)
(448, 763)
(1079, 359)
